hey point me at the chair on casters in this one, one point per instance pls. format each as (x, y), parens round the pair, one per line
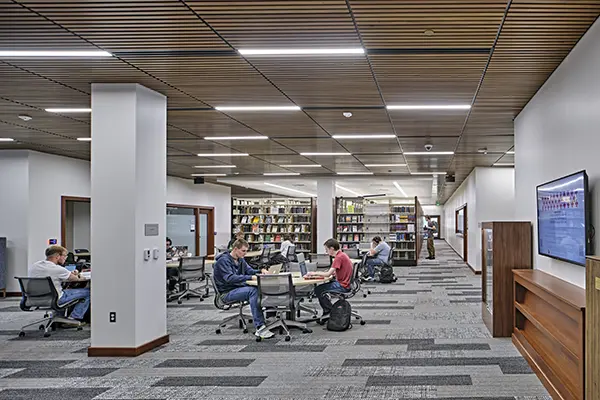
(264, 259)
(191, 270)
(291, 254)
(354, 288)
(276, 294)
(40, 294)
(305, 292)
(221, 305)
(352, 253)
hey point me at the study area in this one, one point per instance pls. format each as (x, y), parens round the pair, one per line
(299, 200)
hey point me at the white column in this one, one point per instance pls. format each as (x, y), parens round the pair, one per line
(129, 134)
(325, 211)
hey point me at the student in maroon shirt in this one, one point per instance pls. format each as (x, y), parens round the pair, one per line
(341, 269)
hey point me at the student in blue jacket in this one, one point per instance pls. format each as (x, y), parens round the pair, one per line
(230, 273)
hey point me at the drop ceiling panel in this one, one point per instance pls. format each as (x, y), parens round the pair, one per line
(321, 145)
(256, 146)
(471, 144)
(207, 123)
(428, 123)
(363, 121)
(440, 143)
(381, 158)
(282, 124)
(371, 145)
(196, 146)
(428, 163)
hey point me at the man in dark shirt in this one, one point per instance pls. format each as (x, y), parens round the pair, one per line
(230, 273)
(430, 229)
(341, 268)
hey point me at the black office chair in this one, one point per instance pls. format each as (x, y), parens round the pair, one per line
(354, 288)
(222, 305)
(264, 260)
(291, 254)
(352, 253)
(41, 294)
(191, 270)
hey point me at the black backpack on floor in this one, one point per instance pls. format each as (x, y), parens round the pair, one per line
(339, 319)
(386, 274)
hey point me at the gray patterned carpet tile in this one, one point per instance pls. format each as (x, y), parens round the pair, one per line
(392, 342)
(259, 347)
(419, 380)
(378, 321)
(205, 363)
(61, 373)
(245, 381)
(457, 346)
(51, 394)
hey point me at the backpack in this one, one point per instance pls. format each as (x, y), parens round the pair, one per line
(339, 319)
(386, 274)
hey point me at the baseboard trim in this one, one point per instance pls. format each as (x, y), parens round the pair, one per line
(127, 351)
(474, 270)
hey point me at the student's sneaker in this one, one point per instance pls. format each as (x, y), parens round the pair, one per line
(264, 333)
(370, 279)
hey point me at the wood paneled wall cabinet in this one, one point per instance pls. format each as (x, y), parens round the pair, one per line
(549, 331)
(592, 329)
(505, 246)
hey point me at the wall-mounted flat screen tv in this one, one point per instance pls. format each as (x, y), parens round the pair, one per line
(563, 218)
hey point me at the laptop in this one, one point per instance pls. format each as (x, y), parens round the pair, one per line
(71, 267)
(302, 265)
(275, 268)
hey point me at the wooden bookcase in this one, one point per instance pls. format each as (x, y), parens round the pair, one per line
(264, 221)
(350, 223)
(549, 331)
(505, 246)
(592, 329)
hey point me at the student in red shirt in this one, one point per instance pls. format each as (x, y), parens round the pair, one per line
(341, 268)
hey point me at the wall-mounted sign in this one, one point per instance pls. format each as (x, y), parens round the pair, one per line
(52, 241)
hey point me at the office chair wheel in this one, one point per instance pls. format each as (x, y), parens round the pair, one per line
(362, 322)
(364, 295)
(288, 338)
(250, 321)
(80, 328)
(245, 330)
(21, 334)
(46, 315)
(368, 292)
(53, 327)
(179, 302)
(321, 322)
(281, 331)
(201, 298)
(218, 331)
(41, 327)
(306, 330)
(47, 334)
(258, 339)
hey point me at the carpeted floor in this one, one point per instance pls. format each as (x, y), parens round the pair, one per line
(424, 338)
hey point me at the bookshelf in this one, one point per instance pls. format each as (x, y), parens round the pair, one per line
(264, 221)
(358, 220)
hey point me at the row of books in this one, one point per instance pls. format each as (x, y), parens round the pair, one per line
(274, 228)
(349, 206)
(402, 227)
(404, 246)
(405, 236)
(403, 209)
(402, 218)
(262, 219)
(350, 238)
(351, 218)
(349, 228)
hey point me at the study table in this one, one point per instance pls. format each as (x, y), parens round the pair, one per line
(297, 280)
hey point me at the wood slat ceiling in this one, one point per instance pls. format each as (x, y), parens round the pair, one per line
(186, 50)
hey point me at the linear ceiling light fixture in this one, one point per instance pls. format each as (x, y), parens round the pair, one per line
(364, 137)
(290, 189)
(347, 190)
(84, 139)
(400, 189)
(384, 165)
(214, 166)
(209, 174)
(223, 155)
(510, 152)
(68, 110)
(428, 173)
(258, 108)
(429, 107)
(52, 53)
(236, 137)
(281, 173)
(325, 154)
(428, 153)
(5, 139)
(500, 164)
(303, 52)
(354, 173)
(301, 166)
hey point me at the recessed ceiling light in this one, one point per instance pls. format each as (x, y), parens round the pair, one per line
(259, 108)
(354, 173)
(51, 53)
(209, 174)
(347, 190)
(400, 189)
(347, 114)
(25, 117)
(236, 137)
(69, 110)
(214, 166)
(510, 152)
(301, 166)
(364, 136)
(281, 173)
(428, 173)
(84, 139)
(325, 154)
(430, 107)
(290, 189)
(5, 139)
(429, 32)
(499, 164)
(428, 153)
(302, 52)
(223, 155)
(384, 165)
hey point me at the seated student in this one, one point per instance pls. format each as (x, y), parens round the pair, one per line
(230, 273)
(52, 267)
(341, 268)
(172, 273)
(237, 236)
(378, 256)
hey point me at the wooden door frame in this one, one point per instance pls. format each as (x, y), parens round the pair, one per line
(210, 229)
(63, 215)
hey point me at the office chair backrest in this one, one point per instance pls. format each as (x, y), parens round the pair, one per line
(266, 255)
(390, 257)
(352, 253)
(300, 257)
(322, 260)
(291, 253)
(38, 292)
(218, 301)
(276, 291)
(191, 268)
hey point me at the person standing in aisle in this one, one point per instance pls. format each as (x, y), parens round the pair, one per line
(430, 229)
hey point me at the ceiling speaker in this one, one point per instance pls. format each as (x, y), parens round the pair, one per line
(450, 178)
(198, 180)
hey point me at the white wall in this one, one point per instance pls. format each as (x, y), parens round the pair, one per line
(185, 192)
(81, 225)
(465, 194)
(557, 134)
(14, 202)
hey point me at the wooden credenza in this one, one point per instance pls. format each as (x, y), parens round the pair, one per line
(592, 335)
(549, 331)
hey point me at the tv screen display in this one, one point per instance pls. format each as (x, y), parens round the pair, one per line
(563, 218)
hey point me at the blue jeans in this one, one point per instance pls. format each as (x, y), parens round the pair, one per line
(371, 264)
(80, 308)
(331, 287)
(249, 294)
